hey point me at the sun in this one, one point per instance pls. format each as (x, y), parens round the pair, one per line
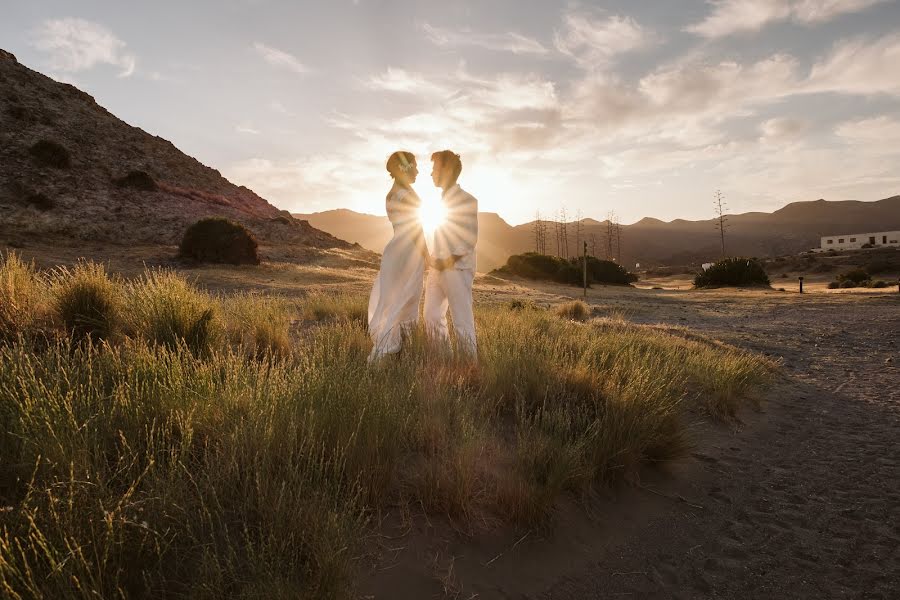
(432, 214)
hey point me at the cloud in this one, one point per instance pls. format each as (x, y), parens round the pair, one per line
(246, 128)
(502, 42)
(859, 67)
(403, 81)
(882, 130)
(77, 45)
(781, 129)
(593, 42)
(741, 16)
(280, 58)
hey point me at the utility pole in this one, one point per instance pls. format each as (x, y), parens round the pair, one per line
(721, 217)
(579, 229)
(618, 241)
(584, 268)
(593, 238)
(610, 234)
(558, 237)
(563, 217)
(538, 233)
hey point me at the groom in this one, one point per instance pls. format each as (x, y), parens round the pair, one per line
(449, 283)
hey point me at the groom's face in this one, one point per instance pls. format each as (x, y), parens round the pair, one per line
(436, 173)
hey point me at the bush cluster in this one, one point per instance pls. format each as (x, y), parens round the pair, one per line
(218, 240)
(532, 265)
(855, 278)
(48, 153)
(137, 180)
(733, 272)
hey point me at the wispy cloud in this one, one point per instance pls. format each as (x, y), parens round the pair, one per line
(594, 41)
(738, 16)
(280, 58)
(77, 45)
(509, 41)
(246, 128)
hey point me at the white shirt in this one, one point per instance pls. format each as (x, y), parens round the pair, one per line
(459, 232)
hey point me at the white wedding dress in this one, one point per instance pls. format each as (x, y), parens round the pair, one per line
(394, 302)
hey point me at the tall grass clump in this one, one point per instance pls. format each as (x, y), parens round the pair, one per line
(259, 324)
(575, 310)
(86, 301)
(165, 309)
(335, 306)
(22, 295)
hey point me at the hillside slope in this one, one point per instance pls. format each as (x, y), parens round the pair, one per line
(86, 200)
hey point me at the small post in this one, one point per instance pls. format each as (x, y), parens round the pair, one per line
(801, 284)
(584, 268)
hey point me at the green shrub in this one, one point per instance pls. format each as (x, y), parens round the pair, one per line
(880, 284)
(137, 180)
(163, 308)
(218, 240)
(733, 272)
(848, 283)
(532, 265)
(48, 153)
(857, 276)
(86, 301)
(833, 285)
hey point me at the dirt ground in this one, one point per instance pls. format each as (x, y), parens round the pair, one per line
(800, 500)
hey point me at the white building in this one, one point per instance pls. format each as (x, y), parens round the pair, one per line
(855, 241)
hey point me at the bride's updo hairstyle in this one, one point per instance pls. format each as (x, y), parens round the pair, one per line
(400, 162)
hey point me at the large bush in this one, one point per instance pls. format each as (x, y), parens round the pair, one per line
(733, 272)
(218, 240)
(50, 154)
(137, 180)
(532, 265)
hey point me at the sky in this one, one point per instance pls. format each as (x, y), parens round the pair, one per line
(641, 108)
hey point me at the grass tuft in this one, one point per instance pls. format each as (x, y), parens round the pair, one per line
(22, 294)
(86, 301)
(163, 308)
(575, 310)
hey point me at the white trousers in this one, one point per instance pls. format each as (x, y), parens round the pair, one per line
(451, 288)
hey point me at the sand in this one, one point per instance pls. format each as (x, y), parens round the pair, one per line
(799, 500)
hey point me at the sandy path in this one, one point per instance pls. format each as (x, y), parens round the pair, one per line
(804, 502)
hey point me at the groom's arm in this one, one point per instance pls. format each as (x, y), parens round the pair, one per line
(467, 236)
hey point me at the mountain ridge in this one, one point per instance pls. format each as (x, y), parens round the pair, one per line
(795, 227)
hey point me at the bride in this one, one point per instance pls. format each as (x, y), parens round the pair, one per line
(394, 302)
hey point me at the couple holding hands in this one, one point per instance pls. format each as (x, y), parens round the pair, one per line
(394, 301)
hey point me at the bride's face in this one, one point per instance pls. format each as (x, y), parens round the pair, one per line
(413, 173)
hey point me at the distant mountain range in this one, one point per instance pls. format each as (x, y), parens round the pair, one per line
(651, 242)
(70, 170)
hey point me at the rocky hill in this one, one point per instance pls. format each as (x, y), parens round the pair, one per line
(70, 170)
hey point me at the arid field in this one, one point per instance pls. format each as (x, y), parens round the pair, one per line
(214, 432)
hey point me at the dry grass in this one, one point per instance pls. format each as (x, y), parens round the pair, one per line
(575, 310)
(21, 293)
(251, 469)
